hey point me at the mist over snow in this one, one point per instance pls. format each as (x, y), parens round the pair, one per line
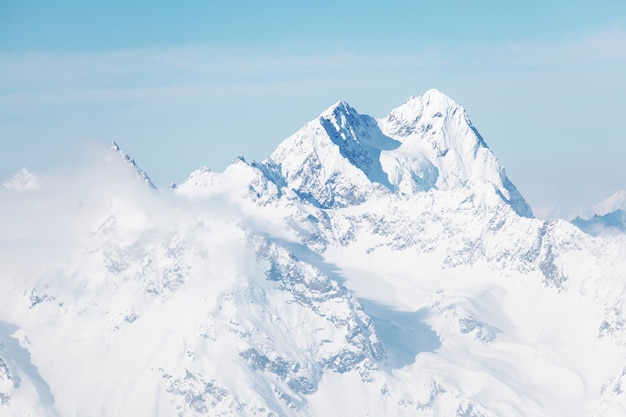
(21, 181)
(366, 267)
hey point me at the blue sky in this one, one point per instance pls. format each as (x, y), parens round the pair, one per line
(183, 85)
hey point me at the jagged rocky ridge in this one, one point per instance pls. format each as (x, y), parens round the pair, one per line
(139, 173)
(367, 267)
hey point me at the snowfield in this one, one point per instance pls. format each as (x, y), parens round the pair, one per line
(366, 268)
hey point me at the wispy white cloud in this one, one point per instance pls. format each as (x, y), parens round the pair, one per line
(166, 73)
(209, 70)
(605, 46)
(510, 88)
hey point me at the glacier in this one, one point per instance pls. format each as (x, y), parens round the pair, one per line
(366, 267)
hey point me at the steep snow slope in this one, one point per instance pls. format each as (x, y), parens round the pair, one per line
(441, 149)
(334, 161)
(344, 157)
(267, 291)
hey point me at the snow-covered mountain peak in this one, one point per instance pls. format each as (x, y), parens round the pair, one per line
(22, 180)
(432, 107)
(336, 110)
(334, 160)
(342, 157)
(616, 201)
(441, 149)
(430, 114)
(140, 173)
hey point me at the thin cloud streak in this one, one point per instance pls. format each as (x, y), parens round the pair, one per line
(188, 67)
(198, 71)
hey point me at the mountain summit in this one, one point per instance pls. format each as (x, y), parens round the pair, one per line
(427, 143)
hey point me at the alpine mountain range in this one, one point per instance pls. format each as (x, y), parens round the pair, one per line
(367, 267)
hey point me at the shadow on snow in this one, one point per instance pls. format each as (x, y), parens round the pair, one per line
(404, 334)
(19, 361)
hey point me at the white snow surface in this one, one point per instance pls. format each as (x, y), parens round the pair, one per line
(360, 288)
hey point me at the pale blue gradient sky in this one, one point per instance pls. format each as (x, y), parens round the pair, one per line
(179, 85)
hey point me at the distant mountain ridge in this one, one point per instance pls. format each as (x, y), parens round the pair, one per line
(606, 217)
(23, 180)
(616, 201)
(610, 223)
